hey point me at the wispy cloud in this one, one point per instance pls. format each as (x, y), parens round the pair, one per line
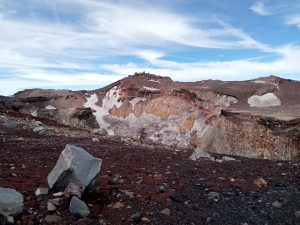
(88, 42)
(293, 20)
(260, 8)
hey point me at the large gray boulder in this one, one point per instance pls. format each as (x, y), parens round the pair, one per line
(78, 207)
(75, 163)
(11, 202)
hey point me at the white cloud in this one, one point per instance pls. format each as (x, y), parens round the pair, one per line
(293, 20)
(32, 78)
(286, 65)
(40, 43)
(260, 8)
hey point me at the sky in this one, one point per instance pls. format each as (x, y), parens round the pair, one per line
(87, 44)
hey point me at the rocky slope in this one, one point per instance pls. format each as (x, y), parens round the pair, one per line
(257, 118)
(141, 183)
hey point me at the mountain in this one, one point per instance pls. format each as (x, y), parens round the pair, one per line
(257, 118)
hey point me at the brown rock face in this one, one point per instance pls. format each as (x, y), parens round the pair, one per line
(259, 136)
(256, 118)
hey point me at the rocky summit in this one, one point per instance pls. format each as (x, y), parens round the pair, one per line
(257, 118)
(149, 150)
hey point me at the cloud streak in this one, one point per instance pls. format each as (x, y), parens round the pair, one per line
(260, 9)
(88, 42)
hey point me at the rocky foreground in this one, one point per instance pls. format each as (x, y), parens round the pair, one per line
(141, 182)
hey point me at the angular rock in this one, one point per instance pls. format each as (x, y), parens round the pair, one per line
(227, 158)
(10, 220)
(37, 123)
(41, 191)
(74, 162)
(166, 212)
(95, 140)
(277, 204)
(51, 207)
(57, 201)
(11, 202)
(73, 189)
(43, 131)
(260, 182)
(200, 153)
(136, 217)
(78, 207)
(118, 205)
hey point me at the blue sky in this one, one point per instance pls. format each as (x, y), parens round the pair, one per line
(86, 44)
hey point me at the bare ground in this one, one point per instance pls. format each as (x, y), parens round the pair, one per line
(27, 158)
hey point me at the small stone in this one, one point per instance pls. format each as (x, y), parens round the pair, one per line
(176, 198)
(260, 182)
(136, 217)
(244, 223)
(130, 194)
(78, 207)
(52, 219)
(51, 207)
(213, 194)
(208, 219)
(41, 191)
(297, 213)
(145, 220)
(73, 189)
(95, 140)
(277, 204)
(57, 201)
(58, 194)
(226, 159)
(10, 220)
(118, 205)
(166, 212)
(162, 189)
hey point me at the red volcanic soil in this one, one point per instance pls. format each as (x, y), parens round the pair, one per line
(27, 158)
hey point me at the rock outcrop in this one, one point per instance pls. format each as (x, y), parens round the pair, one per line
(255, 118)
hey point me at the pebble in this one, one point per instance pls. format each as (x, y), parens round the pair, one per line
(57, 201)
(51, 207)
(41, 191)
(10, 220)
(297, 213)
(118, 205)
(136, 217)
(95, 140)
(58, 194)
(166, 212)
(277, 204)
(162, 189)
(260, 182)
(145, 220)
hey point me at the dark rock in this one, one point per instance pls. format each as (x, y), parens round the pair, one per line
(176, 198)
(74, 162)
(78, 207)
(136, 217)
(11, 202)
